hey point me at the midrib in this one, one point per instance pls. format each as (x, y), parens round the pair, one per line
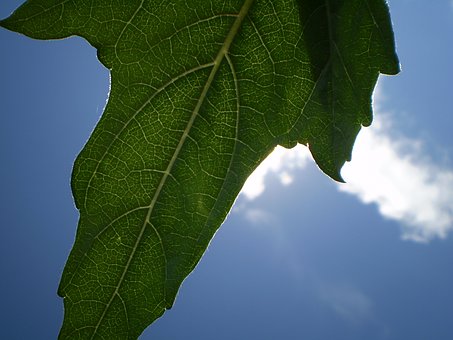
(216, 65)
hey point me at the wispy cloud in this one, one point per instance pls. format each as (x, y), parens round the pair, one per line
(388, 170)
(259, 217)
(348, 302)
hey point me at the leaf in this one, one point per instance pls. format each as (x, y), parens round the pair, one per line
(201, 92)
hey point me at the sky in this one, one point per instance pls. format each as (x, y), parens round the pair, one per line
(299, 256)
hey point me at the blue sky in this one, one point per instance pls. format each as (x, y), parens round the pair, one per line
(299, 257)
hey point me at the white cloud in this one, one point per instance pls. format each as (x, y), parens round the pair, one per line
(280, 162)
(397, 175)
(388, 170)
(405, 186)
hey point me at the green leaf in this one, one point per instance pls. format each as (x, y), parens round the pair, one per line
(201, 92)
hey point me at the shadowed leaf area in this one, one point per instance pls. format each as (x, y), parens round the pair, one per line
(201, 92)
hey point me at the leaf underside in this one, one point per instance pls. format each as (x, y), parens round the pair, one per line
(201, 92)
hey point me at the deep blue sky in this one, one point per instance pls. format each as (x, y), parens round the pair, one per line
(315, 263)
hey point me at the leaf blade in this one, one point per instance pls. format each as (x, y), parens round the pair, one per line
(190, 115)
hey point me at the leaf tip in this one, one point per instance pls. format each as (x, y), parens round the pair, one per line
(331, 166)
(9, 23)
(4, 23)
(335, 175)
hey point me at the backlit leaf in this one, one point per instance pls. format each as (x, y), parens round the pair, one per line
(201, 92)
